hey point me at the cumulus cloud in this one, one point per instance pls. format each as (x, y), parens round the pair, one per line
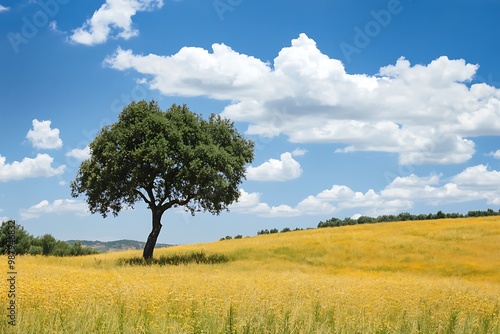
(40, 166)
(426, 113)
(495, 154)
(112, 16)
(43, 137)
(478, 178)
(58, 206)
(287, 168)
(250, 203)
(472, 184)
(79, 154)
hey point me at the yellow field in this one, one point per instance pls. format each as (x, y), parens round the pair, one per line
(439, 276)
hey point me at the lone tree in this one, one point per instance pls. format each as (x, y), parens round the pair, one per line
(167, 159)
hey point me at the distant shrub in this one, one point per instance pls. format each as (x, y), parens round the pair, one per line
(273, 230)
(44, 245)
(286, 229)
(404, 216)
(35, 250)
(177, 259)
(239, 236)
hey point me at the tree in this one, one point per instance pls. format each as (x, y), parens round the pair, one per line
(21, 241)
(167, 159)
(48, 244)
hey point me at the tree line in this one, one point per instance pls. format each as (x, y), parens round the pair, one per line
(24, 243)
(404, 216)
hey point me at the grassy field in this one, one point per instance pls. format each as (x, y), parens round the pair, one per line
(440, 276)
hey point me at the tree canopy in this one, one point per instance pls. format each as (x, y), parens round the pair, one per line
(166, 159)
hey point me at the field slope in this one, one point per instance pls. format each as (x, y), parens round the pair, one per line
(440, 276)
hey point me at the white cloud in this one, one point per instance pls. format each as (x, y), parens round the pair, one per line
(250, 203)
(410, 187)
(40, 166)
(472, 184)
(43, 137)
(113, 15)
(3, 8)
(284, 169)
(343, 197)
(424, 113)
(299, 152)
(79, 154)
(58, 206)
(495, 154)
(314, 205)
(478, 178)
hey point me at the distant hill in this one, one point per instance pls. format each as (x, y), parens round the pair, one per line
(113, 246)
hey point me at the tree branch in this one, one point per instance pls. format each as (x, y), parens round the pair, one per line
(143, 197)
(173, 202)
(149, 190)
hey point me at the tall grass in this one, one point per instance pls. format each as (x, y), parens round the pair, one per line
(412, 277)
(198, 257)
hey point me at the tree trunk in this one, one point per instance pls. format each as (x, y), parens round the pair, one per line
(153, 236)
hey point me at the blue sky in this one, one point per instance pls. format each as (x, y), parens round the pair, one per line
(356, 107)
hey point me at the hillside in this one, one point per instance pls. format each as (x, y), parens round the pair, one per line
(464, 247)
(435, 276)
(115, 246)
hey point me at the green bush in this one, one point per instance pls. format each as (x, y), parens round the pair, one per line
(177, 259)
(22, 240)
(25, 243)
(35, 250)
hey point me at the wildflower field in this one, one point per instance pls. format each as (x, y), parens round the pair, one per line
(438, 276)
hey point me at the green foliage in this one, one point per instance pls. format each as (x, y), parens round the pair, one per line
(177, 259)
(48, 244)
(22, 240)
(489, 212)
(231, 325)
(25, 243)
(166, 158)
(35, 250)
(404, 216)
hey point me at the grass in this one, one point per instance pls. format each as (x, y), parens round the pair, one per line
(198, 257)
(411, 277)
